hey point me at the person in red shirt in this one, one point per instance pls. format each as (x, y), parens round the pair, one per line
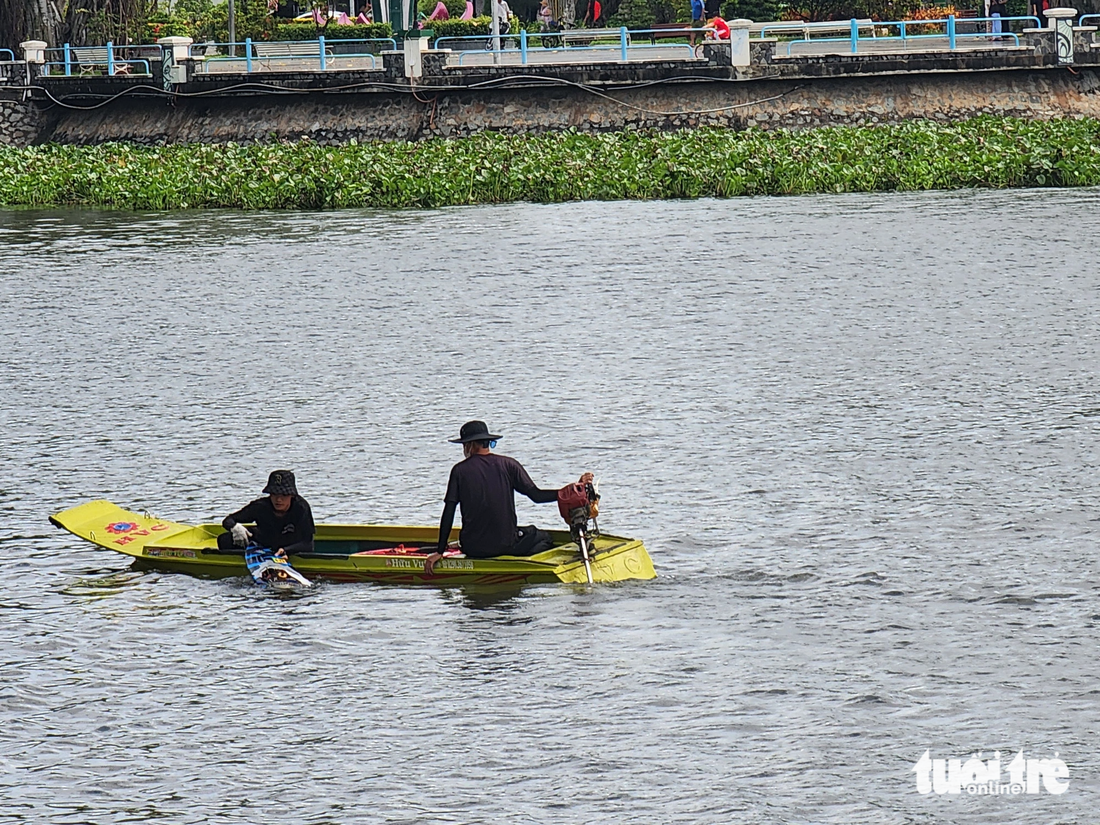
(592, 16)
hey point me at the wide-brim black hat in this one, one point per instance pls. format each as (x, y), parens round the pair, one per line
(281, 483)
(474, 431)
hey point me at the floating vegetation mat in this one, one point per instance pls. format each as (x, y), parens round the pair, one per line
(494, 168)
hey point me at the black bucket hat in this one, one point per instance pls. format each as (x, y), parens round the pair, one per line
(474, 431)
(281, 483)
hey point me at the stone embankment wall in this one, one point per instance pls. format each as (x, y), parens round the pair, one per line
(413, 95)
(20, 122)
(766, 103)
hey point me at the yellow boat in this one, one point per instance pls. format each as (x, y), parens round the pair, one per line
(352, 552)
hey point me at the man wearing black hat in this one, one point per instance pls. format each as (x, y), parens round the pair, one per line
(483, 485)
(282, 522)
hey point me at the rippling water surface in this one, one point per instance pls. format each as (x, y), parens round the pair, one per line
(858, 434)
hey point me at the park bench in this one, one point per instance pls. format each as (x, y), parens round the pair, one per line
(669, 31)
(267, 52)
(805, 28)
(966, 22)
(90, 59)
(585, 37)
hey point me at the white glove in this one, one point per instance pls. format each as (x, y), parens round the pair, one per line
(240, 535)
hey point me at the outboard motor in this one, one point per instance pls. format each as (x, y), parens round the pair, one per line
(578, 504)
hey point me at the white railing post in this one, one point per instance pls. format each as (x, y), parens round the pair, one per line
(179, 51)
(1061, 20)
(34, 51)
(739, 42)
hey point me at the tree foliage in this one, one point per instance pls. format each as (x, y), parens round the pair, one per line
(634, 14)
(82, 22)
(760, 11)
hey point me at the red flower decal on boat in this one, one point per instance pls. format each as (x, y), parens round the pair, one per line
(121, 527)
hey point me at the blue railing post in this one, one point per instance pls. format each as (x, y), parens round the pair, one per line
(248, 55)
(68, 62)
(321, 50)
(951, 32)
(855, 35)
(622, 41)
(110, 58)
(523, 46)
(903, 30)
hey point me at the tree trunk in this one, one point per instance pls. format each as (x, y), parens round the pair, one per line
(66, 21)
(30, 20)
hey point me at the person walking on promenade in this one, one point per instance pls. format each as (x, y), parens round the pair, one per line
(698, 18)
(503, 14)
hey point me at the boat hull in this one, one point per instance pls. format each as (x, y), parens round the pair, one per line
(351, 552)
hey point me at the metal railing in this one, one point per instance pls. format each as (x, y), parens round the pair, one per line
(288, 55)
(623, 43)
(93, 60)
(10, 54)
(1081, 20)
(905, 29)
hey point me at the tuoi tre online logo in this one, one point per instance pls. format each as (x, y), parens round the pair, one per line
(1025, 776)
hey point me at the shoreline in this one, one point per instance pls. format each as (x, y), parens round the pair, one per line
(488, 168)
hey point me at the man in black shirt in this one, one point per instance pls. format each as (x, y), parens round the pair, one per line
(483, 485)
(283, 521)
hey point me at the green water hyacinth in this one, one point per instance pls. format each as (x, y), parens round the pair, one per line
(550, 168)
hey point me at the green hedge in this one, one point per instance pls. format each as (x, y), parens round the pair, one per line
(494, 168)
(308, 31)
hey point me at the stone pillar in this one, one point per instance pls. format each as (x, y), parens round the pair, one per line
(34, 51)
(1061, 21)
(179, 46)
(34, 55)
(177, 53)
(414, 54)
(739, 41)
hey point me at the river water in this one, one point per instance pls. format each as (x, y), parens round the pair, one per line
(859, 435)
